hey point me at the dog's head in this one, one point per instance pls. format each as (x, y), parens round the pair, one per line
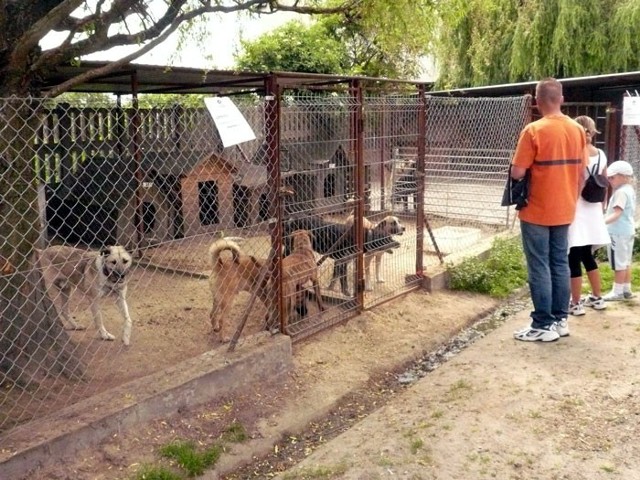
(391, 226)
(116, 262)
(378, 241)
(302, 240)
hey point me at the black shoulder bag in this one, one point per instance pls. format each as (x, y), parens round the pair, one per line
(516, 192)
(595, 188)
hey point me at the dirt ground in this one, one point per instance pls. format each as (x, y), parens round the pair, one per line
(390, 395)
(328, 366)
(568, 410)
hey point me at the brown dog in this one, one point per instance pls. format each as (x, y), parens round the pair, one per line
(230, 276)
(298, 269)
(389, 225)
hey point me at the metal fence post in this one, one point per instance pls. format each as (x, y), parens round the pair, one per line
(420, 179)
(358, 137)
(272, 140)
(137, 157)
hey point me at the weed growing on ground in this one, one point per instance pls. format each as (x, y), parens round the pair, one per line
(235, 433)
(191, 459)
(186, 455)
(502, 272)
(156, 473)
(416, 445)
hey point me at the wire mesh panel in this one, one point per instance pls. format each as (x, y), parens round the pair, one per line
(630, 152)
(133, 239)
(318, 164)
(391, 133)
(153, 242)
(469, 145)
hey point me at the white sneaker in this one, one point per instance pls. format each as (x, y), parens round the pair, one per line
(562, 326)
(613, 297)
(577, 309)
(594, 302)
(530, 334)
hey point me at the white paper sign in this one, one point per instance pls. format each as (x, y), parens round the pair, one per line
(231, 124)
(630, 110)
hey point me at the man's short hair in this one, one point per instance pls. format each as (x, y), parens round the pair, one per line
(549, 90)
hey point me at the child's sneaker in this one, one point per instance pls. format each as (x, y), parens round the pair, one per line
(613, 297)
(594, 302)
(576, 309)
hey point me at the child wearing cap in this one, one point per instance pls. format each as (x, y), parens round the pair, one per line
(620, 223)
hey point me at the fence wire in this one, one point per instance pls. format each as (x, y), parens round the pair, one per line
(630, 152)
(205, 234)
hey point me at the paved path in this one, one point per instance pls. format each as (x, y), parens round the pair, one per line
(508, 410)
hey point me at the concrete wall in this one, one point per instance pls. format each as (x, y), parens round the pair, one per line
(202, 379)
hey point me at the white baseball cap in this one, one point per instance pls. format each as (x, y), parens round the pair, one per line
(620, 167)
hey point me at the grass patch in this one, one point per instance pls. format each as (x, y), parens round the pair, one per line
(235, 433)
(156, 473)
(187, 456)
(416, 445)
(503, 271)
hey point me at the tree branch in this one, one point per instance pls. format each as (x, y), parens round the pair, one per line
(110, 67)
(40, 28)
(93, 45)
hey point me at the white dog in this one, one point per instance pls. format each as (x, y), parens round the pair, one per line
(96, 274)
(389, 225)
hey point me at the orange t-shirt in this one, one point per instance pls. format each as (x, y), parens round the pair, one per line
(554, 149)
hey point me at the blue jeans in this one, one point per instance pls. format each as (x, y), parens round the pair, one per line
(548, 270)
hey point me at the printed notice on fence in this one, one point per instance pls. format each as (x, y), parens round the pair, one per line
(630, 110)
(231, 124)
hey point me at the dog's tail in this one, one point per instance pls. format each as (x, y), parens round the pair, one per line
(220, 246)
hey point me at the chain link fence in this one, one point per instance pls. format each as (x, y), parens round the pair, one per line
(630, 152)
(208, 253)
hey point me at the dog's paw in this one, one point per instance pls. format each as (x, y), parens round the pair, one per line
(107, 336)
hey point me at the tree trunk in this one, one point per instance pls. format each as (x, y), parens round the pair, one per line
(33, 342)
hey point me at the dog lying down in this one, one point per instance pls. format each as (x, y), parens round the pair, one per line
(96, 274)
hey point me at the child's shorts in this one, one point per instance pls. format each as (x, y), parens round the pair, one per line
(620, 251)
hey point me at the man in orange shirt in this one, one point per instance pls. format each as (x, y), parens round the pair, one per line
(553, 150)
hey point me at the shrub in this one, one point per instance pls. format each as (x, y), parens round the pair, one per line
(502, 272)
